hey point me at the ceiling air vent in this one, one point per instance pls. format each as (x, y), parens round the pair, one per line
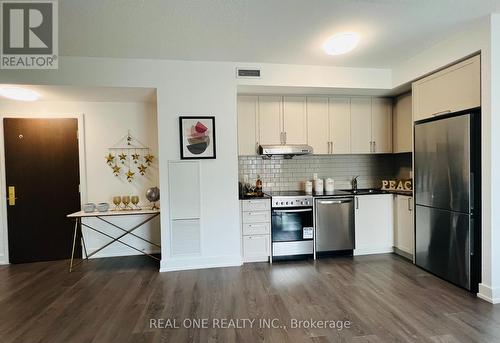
(248, 73)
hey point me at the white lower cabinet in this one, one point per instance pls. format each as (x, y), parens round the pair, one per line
(403, 225)
(373, 218)
(256, 229)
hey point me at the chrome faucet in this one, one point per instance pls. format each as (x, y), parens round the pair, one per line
(354, 183)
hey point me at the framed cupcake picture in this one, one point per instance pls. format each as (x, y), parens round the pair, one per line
(197, 137)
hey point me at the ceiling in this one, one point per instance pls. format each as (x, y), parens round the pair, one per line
(92, 94)
(275, 31)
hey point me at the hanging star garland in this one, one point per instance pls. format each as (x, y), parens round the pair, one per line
(130, 175)
(135, 157)
(142, 169)
(148, 159)
(110, 159)
(116, 170)
(122, 157)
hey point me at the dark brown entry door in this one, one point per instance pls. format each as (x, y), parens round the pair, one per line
(42, 164)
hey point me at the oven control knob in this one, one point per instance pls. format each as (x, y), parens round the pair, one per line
(282, 203)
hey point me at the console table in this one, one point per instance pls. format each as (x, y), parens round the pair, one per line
(105, 216)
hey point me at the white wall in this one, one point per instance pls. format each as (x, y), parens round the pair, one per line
(104, 123)
(205, 88)
(482, 35)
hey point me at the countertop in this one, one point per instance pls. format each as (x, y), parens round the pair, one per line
(336, 193)
(245, 197)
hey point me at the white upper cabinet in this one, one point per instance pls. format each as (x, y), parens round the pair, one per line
(318, 124)
(402, 124)
(381, 131)
(270, 120)
(452, 89)
(247, 125)
(340, 125)
(331, 125)
(294, 120)
(361, 125)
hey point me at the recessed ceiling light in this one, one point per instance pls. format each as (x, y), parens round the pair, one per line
(18, 93)
(341, 43)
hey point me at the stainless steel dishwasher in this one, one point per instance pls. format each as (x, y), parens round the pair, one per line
(334, 224)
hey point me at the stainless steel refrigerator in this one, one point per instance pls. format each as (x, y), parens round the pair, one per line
(447, 197)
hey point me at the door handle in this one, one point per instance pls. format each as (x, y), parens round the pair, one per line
(330, 202)
(374, 146)
(409, 204)
(12, 196)
(284, 137)
(357, 203)
(332, 147)
(292, 211)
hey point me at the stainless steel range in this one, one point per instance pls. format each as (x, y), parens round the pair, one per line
(292, 226)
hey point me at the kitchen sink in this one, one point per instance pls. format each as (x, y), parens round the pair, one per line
(362, 191)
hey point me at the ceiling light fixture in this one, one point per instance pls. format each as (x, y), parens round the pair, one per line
(341, 43)
(18, 93)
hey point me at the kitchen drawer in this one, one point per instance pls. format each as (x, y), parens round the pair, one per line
(256, 205)
(256, 229)
(256, 248)
(256, 217)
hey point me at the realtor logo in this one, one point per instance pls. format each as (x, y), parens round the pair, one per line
(29, 34)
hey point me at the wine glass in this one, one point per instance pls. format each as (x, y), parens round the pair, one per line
(117, 201)
(126, 201)
(135, 200)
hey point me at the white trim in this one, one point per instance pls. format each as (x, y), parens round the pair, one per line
(491, 295)
(178, 264)
(129, 252)
(373, 251)
(3, 181)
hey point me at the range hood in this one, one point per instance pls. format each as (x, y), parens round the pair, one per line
(285, 150)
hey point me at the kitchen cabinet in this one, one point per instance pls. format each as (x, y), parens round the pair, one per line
(331, 125)
(282, 120)
(247, 125)
(256, 229)
(339, 111)
(318, 135)
(381, 125)
(361, 125)
(402, 124)
(270, 120)
(328, 125)
(403, 225)
(294, 120)
(452, 89)
(373, 223)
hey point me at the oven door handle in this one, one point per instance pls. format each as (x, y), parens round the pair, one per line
(293, 211)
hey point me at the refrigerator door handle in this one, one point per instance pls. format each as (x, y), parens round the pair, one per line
(471, 193)
(471, 236)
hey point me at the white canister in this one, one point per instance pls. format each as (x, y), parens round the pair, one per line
(318, 185)
(308, 187)
(329, 185)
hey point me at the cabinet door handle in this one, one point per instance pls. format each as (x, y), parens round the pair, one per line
(374, 146)
(409, 204)
(371, 146)
(332, 147)
(357, 203)
(284, 137)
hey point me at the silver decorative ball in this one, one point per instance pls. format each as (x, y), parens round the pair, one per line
(153, 194)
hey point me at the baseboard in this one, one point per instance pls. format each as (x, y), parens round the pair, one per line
(189, 263)
(372, 251)
(491, 295)
(404, 254)
(130, 252)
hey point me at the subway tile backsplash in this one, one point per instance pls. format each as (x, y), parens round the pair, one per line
(279, 174)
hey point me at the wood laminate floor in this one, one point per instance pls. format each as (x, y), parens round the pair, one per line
(385, 298)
